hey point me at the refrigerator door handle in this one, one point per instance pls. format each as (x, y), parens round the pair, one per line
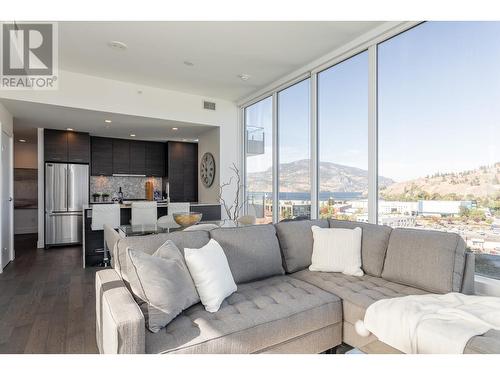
(64, 213)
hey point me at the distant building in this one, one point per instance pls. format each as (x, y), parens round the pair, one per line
(443, 208)
(392, 221)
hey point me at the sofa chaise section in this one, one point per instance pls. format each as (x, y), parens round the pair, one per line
(397, 262)
(356, 293)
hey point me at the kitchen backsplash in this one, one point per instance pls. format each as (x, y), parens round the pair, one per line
(132, 187)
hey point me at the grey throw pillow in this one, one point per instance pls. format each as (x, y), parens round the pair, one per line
(164, 284)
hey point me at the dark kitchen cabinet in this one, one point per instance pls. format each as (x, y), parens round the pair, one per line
(66, 146)
(155, 159)
(183, 171)
(121, 156)
(55, 145)
(137, 157)
(102, 156)
(78, 147)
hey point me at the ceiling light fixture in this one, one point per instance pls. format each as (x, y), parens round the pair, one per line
(70, 129)
(22, 140)
(188, 63)
(119, 46)
(175, 129)
(108, 121)
(244, 77)
(132, 135)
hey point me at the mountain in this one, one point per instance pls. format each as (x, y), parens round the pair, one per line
(294, 177)
(478, 183)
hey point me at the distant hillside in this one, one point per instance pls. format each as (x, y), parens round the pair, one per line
(334, 178)
(474, 184)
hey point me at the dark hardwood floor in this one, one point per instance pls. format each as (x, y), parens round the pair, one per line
(47, 301)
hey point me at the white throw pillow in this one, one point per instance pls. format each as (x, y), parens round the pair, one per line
(211, 274)
(337, 250)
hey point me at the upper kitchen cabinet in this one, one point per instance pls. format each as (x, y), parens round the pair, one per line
(183, 171)
(121, 156)
(66, 146)
(155, 159)
(102, 156)
(78, 147)
(137, 157)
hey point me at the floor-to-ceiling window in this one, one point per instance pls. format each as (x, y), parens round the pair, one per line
(294, 154)
(439, 133)
(343, 140)
(436, 126)
(259, 160)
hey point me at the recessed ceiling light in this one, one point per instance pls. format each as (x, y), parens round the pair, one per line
(132, 135)
(108, 121)
(22, 140)
(196, 140)
(175, 128)
(244, 77)
(115, 44)
(70, 129)
(188, 63)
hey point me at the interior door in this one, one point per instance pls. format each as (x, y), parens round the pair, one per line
(7, 251)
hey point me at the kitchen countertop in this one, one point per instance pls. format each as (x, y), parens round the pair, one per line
(159, 204)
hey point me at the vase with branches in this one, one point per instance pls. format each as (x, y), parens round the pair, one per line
(234, 207)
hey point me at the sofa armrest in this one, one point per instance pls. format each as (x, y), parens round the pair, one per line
(469, 273)
(120, 325)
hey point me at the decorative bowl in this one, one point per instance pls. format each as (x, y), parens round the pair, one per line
(186, 219)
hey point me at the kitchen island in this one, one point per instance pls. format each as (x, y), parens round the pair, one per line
(93, 240)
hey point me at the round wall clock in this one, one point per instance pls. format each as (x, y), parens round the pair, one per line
(207, 169)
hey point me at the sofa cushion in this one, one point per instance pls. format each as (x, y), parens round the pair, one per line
(253, 252)
(164, 284)
(357, 293)
(336, 250)
(211, 274)
(296, 242)
(149, 244)
(374, 242)
(430, 260)
(259, 315)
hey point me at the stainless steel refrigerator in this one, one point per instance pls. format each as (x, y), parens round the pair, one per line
(66, 192)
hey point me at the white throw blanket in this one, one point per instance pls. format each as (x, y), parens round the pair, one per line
(432, 323)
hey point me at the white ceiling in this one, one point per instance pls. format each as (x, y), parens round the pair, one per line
(29, 115)
(220, 51)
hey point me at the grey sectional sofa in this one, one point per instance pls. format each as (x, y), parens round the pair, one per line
(280, 306)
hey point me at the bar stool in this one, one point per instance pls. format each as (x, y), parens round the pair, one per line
(105, 214)
(173, 208)
(144, 213)
(111, 238)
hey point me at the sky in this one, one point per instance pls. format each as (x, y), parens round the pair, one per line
(439, 105)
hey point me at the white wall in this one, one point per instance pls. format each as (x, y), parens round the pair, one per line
(209, 141)
(6, 120)
(94, 93)
(6, 124)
